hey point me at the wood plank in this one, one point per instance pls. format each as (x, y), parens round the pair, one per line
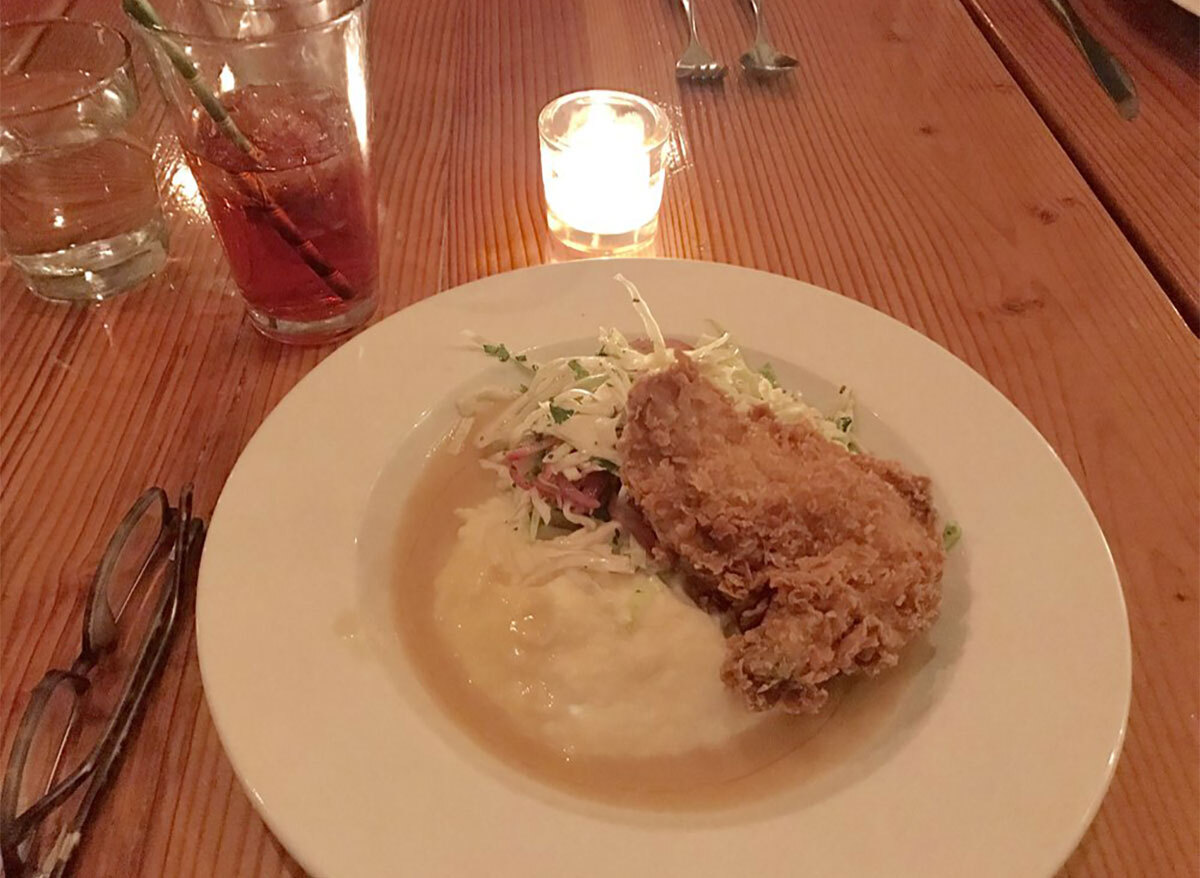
(1146, 172)
(901, 165)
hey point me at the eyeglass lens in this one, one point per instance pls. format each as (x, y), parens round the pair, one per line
(136, 546)
(55, 749)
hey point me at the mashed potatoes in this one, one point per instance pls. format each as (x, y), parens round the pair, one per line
(591, 663)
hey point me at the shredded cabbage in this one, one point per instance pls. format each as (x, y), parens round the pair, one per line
(564, 421)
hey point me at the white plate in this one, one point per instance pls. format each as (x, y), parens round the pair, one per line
(1192, 6)
(993, 762)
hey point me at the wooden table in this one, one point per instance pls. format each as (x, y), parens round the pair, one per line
(1146, 173)
(902, 165)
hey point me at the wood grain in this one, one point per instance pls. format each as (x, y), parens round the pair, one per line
(902, 165)
(1146, 172)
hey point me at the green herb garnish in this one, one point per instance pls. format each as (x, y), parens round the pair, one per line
(499, 351)
(951, 534)
(579, 371)
(768, 371)
(843, 423)
(560, 414)
(605, 463)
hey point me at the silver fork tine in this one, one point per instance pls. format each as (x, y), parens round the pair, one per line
(696, 62)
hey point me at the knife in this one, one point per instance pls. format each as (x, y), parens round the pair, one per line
(1107, 69)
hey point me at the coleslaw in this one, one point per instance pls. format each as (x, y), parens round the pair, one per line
(553, 439)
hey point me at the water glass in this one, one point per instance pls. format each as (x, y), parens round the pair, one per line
(270, 103)
(79, 211)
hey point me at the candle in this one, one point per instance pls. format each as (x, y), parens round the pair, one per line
(602, 169)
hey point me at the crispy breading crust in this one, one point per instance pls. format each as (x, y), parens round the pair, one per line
(826, 562)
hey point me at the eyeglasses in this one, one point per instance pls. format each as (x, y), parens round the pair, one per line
(71, 734)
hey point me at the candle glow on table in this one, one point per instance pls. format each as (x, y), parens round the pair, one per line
(602, 169)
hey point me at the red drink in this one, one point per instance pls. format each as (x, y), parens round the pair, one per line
(313, 170)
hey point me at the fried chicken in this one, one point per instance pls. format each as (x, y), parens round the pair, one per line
(824, 562)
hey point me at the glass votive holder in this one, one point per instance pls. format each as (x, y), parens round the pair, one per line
(603, 163)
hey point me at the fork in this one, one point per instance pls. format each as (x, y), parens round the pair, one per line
(763, 59)
(696, 63)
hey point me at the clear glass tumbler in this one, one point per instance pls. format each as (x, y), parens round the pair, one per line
(259, 18)
(79, 212)
(274, 122)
